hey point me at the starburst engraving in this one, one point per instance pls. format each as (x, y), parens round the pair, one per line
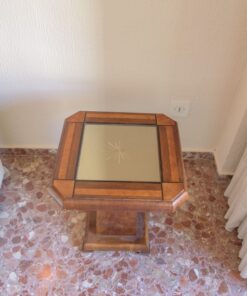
(116, 152)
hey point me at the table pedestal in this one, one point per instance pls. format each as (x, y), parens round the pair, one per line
(119, 166)
(118, 230)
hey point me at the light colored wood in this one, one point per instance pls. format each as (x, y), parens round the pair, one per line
(74, 151)
(77, 117)
(64, 187)
(92, 204)
(172, 190)
(164, 120)
(68, 151)
(62, 142)
(172, 168)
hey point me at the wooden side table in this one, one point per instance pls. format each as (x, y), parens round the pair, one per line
(118, 167)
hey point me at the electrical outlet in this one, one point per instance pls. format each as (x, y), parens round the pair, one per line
(180, 108)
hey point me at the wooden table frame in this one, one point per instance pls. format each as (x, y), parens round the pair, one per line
(119, 203)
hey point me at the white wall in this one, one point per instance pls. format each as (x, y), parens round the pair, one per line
(60, 56)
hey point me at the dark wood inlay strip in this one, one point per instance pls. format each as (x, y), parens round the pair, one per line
(118, 190)
(128, 118)
(179, 154)
(119, 185)
(171, 159)
(174, 173)
(164, 151)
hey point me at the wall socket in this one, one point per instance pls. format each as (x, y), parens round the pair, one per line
(180, 108)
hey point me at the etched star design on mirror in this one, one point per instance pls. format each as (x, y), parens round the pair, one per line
(116, 152)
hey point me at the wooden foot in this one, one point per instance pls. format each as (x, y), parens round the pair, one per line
(116, 231)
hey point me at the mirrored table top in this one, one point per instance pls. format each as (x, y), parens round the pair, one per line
(119, 152)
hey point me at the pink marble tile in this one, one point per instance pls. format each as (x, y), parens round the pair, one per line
(190, 251)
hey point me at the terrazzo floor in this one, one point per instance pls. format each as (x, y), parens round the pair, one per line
(190, 251)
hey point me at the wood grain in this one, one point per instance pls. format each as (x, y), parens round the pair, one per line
(134, 243)
(172, 167)
(92, 204)
(77, 117)
(150, 191)
(128, 118)
(180, 158)
(64, 187)
(172, 190)
(164, 120)
(116, 222)
(68, 151)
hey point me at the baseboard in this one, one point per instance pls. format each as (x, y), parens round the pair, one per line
(198, 150)
(219, 171)
(48, 147)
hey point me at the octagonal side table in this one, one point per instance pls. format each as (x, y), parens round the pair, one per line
(117, 167)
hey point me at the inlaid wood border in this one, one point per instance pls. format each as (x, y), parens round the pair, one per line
(115, 190)
(145, 196)
(171, 157)
(68, 151)
(127, 118)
